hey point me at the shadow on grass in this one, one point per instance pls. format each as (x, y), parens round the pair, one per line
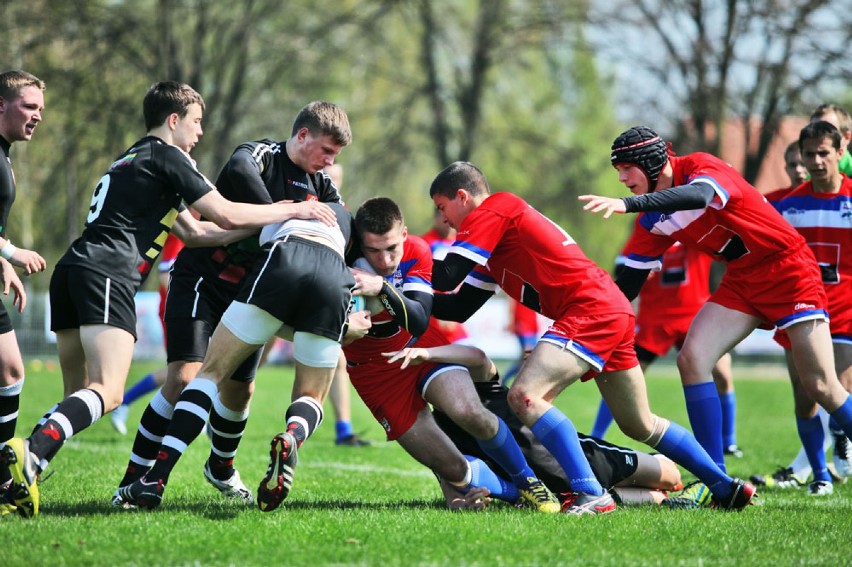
(227, 510)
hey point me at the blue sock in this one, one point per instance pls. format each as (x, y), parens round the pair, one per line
(812, 436)
(729, 415)
(505, 451)
(482, 476)
(139, 389)
(681, 447)
(343, 429)
(602, 420)
(841, 418)
(705, 417)
(557, 434)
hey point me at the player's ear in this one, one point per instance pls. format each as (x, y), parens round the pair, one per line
(172, 120)
(404, 232)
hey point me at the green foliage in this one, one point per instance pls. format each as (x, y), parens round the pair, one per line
(502, 91)
(376, 506)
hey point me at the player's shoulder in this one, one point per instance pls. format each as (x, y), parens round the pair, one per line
(416, 245)
(163, 154)
(503, 199)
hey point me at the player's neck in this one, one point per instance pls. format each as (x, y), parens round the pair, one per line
(830, 185)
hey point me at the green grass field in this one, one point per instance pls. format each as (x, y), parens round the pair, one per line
(376, 506)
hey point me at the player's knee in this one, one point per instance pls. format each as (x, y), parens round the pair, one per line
(11, 375)
(475, 419)
(520, 399)
(690, 363)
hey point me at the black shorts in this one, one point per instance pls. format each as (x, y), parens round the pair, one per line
(194, 307)
(5, 320)
(79, 296)
(610, 463)
(302, 283)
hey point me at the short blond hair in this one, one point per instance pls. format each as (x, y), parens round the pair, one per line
(14, 81)
(324, 119)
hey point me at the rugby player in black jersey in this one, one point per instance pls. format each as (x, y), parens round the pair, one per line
(205, 280)
(135, 204)
(21, 105)
(300, 288)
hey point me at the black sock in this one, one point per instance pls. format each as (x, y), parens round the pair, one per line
(149, 435)
(74, 414)
(187, 423)
(226, 428)
(303, 417)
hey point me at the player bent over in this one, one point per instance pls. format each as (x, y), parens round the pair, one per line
(300, 280)
(504, 242)
(397, 270)
(204, 282)
(630, 476)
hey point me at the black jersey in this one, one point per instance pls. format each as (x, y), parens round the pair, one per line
(133, 209)
(257, 172)
(7, 185)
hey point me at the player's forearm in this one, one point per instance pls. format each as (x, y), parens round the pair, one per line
(447, 274)
(411, 312)
(209, 234)
(474, 359)
(680, 198)
(459, 306)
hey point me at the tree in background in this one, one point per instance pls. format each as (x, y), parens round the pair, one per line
(708, 62)
(525, 88)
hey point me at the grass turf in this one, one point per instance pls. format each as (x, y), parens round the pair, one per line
(376, 506)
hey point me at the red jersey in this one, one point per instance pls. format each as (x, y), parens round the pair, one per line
(825, 220)
(680, 288)
(414, 273)
(739, 226)
(438, 245)
(452, 330)
(778, 194)
(534, 260)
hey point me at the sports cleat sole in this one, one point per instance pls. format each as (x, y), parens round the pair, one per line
(276, 485)
(23, 492)
(695, 495)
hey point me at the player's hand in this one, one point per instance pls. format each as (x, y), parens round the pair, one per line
(598, 203)
(409, 356)
(314, 210)
(359, 326)
(12, 282)
(29, 260)
(475, 500)
(366, 283)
